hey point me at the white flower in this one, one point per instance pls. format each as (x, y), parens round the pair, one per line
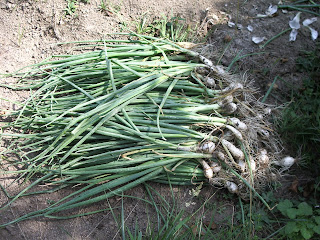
(295, 25)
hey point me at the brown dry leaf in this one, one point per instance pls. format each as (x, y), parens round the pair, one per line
(275, 86)
(187, 45)
(195, 230)
(308, 189)
(227, 38)
(211, 226)
(294, 186)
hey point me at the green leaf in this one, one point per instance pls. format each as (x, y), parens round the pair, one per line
(310, 224)
(317, 218)
(292, 213)
(306, 233)
(316, 229)
(283, 206)
(304, 209)
(290, 228)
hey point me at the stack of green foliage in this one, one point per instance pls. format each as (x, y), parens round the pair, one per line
(136, 110)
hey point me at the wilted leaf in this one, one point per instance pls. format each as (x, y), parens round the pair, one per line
(211, 226)
(308, 189)
(293, 35)
(257, 40)
(314, 33)
(309, 21)
(294, 186)
(295, 22)
(195, 230)
(231, 24)
(187, 45)
(272, 10)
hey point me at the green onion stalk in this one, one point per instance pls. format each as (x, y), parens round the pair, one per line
(136, 110)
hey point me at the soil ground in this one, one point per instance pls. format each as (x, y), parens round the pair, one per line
(29, 33)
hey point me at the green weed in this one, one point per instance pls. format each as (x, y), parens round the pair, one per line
(71, 7)
(303, 222)
(103, 6)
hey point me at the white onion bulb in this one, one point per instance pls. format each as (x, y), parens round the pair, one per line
(242, 165)
(206, 61)
(215, 167)
(230, 108)
(221, 156)
(207, 147)
(263, 151)
(263, 157)
(210, 82)
(232, 187)
(238, 124)
(285, 162)
(208, 173)
(236, 132)
(233, 86)
(227, 99)
(236, 152)
(252, 164)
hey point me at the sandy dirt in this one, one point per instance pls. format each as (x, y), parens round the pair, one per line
(30, 31)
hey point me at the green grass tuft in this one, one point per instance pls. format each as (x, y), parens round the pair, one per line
(300, 125)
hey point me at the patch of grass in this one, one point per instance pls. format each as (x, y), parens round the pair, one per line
(300, 124)
(174, 28)
(171, 221)
(71, 7)
(104, 7)
(108, 8)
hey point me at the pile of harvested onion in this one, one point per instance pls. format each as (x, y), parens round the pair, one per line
(134, 111)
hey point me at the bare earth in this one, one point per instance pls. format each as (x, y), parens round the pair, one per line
(29, 32)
